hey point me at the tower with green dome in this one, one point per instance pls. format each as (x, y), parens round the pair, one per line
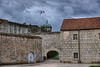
(47, 27)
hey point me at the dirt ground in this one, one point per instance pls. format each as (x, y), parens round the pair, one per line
(50, 63)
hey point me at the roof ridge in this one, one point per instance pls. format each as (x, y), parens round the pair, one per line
(83, 18)
(84, 23)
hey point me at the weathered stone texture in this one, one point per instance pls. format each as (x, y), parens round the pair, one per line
(89, 46)
(16, 49)
(10, 27)
(50, 41)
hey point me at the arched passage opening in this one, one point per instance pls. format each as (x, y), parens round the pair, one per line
(53, 55)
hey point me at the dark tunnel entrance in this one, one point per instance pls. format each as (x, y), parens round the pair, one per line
(53, 55)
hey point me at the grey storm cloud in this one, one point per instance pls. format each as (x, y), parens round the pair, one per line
(55, 11)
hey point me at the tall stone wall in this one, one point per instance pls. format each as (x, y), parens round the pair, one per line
(50, 42)
(15, 48)
(69, 46)
(89, 46)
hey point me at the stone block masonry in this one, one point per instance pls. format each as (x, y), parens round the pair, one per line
(63, 42)
(89, 46)
(15, 48)
(50, 42)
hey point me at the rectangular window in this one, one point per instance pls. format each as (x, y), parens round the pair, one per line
(15, 29)
(74, 36)
(75, 55)
(10, 30)
(99, 56)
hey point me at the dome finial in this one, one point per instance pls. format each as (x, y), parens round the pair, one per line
(46, 21)
(46, 24)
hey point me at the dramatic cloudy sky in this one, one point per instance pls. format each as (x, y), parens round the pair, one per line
(55, 11)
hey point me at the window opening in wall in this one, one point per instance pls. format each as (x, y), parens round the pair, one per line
(99, 57)
(74, 36)
(19, 29)
(75, 55)
(22, 30)
(15, 29)
(10, 30)
(99, 35)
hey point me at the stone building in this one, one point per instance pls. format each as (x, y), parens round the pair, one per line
(80, 40)
(34, 29)
(17, 28)
(19, 48)
(77, 42)
(46, 27)
(11, 27)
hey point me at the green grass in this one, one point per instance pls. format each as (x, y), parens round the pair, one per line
(94, 66)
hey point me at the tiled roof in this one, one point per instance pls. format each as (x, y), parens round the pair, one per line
(80, 24)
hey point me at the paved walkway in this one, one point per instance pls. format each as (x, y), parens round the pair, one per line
(50, 63)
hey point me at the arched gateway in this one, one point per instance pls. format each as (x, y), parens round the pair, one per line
(52, 53)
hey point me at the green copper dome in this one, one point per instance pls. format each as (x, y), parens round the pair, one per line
(46, 24)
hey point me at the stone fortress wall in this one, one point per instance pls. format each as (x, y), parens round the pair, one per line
(50, 42)
(14, 48)
(63, 43)
(17, 47)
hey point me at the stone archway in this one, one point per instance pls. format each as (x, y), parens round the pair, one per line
(51, 49)
(53, 55)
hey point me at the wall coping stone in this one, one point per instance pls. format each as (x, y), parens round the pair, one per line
(20, 35)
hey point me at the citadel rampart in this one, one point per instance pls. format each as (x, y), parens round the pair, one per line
(72, 43)
(14, 48)
(50, 42)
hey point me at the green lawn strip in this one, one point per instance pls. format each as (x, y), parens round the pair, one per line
(94, 66)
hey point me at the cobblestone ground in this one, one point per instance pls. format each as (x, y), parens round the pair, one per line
(51, 63)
